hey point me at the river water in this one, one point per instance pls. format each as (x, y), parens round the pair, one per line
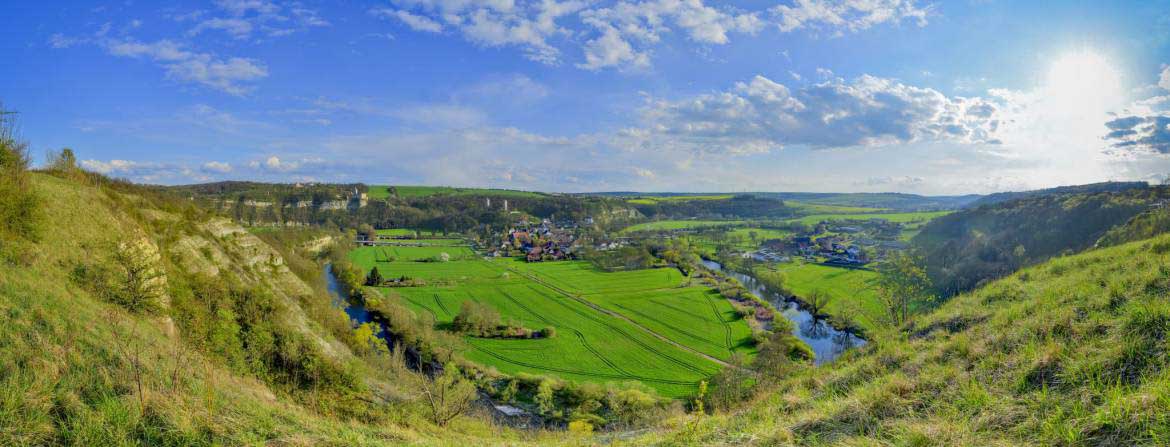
(826, 341)
(356, 311)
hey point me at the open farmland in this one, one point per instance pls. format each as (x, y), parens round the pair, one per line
(649, 326)
(407, 192)
(679, 225)
(852, 290)
(813, 219)
(818, 208)
(365, 255)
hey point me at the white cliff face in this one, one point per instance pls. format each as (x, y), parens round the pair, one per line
(225, 248)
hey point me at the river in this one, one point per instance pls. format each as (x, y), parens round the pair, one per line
(826, 341)
(356, 311)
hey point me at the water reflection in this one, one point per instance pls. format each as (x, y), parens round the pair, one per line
(826, 341)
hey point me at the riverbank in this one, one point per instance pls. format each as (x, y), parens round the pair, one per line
(825, 339)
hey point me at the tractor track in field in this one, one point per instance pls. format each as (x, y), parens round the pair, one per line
(441, 305)
(628, 320)
(719, 316)
(604, 360)
(627, 335)
(690, 334)
(580, 336)
(580, 373)
(525, 307)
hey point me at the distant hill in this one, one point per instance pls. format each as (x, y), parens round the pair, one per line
(890, 201)
(1000, 197)
(966, 248)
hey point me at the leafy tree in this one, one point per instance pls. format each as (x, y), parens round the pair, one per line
(374, 278)
(545, 397)
(476, 318)
(901, 285)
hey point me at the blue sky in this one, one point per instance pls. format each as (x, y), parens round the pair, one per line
(580, 95)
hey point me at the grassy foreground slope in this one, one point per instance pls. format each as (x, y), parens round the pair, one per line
(1069, 352)
(77, 369)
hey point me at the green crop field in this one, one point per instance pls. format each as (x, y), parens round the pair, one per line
(817, 208)
(366, 255)
(608, 324)
(653, 199)
(679, 225)
(813, 219)
(383, 191)
(852, 291)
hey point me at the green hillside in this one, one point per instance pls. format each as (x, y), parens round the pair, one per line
(1069, 352)
(257, 356)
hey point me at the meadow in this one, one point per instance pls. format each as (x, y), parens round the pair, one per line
(926, 216)
(407, 192)
(852, 291)
(649, 326)
(819, 208)
(410, 253)
(679, 225)
(650, 200)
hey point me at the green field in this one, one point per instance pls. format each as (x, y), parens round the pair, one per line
(383, 191)
(818, 208)
(851, 290)
(679, 225)
(606, 322)
(367, 255)
(814, 219)
(655, 199)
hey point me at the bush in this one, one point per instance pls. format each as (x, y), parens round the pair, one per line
(548, 332)
(19, 205)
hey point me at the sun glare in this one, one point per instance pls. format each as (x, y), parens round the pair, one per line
(1083, 84)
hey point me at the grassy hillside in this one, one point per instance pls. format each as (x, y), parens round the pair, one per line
(1069, 352)
(272, 363)
(965, 248)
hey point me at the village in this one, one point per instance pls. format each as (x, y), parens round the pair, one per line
(853, 246)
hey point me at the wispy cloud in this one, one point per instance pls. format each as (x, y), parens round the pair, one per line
(230, 75)
(623, 34)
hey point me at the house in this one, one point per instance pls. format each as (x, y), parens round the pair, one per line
(534, 255)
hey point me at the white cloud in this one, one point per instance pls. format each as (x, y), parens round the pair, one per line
(621, 34)
(59, 40)
(146, 172)
(237, 28)
(610, 50)
(762, 115)
(217, 167)
(1164, 79)
(227, 75)
(246, 16)
(415, 22)
(839, 16)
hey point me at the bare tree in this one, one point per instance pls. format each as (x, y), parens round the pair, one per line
(448, 395)
(818, 300)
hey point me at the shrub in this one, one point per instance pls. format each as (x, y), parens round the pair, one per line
(548, 332)
(19, 205)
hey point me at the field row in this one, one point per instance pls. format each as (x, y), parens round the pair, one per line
(591, 345)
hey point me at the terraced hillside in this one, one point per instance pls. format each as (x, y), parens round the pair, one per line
(648, 326)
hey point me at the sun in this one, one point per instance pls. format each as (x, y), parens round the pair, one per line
(1083, 84)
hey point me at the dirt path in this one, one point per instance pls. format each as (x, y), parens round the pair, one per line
(611, 313)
